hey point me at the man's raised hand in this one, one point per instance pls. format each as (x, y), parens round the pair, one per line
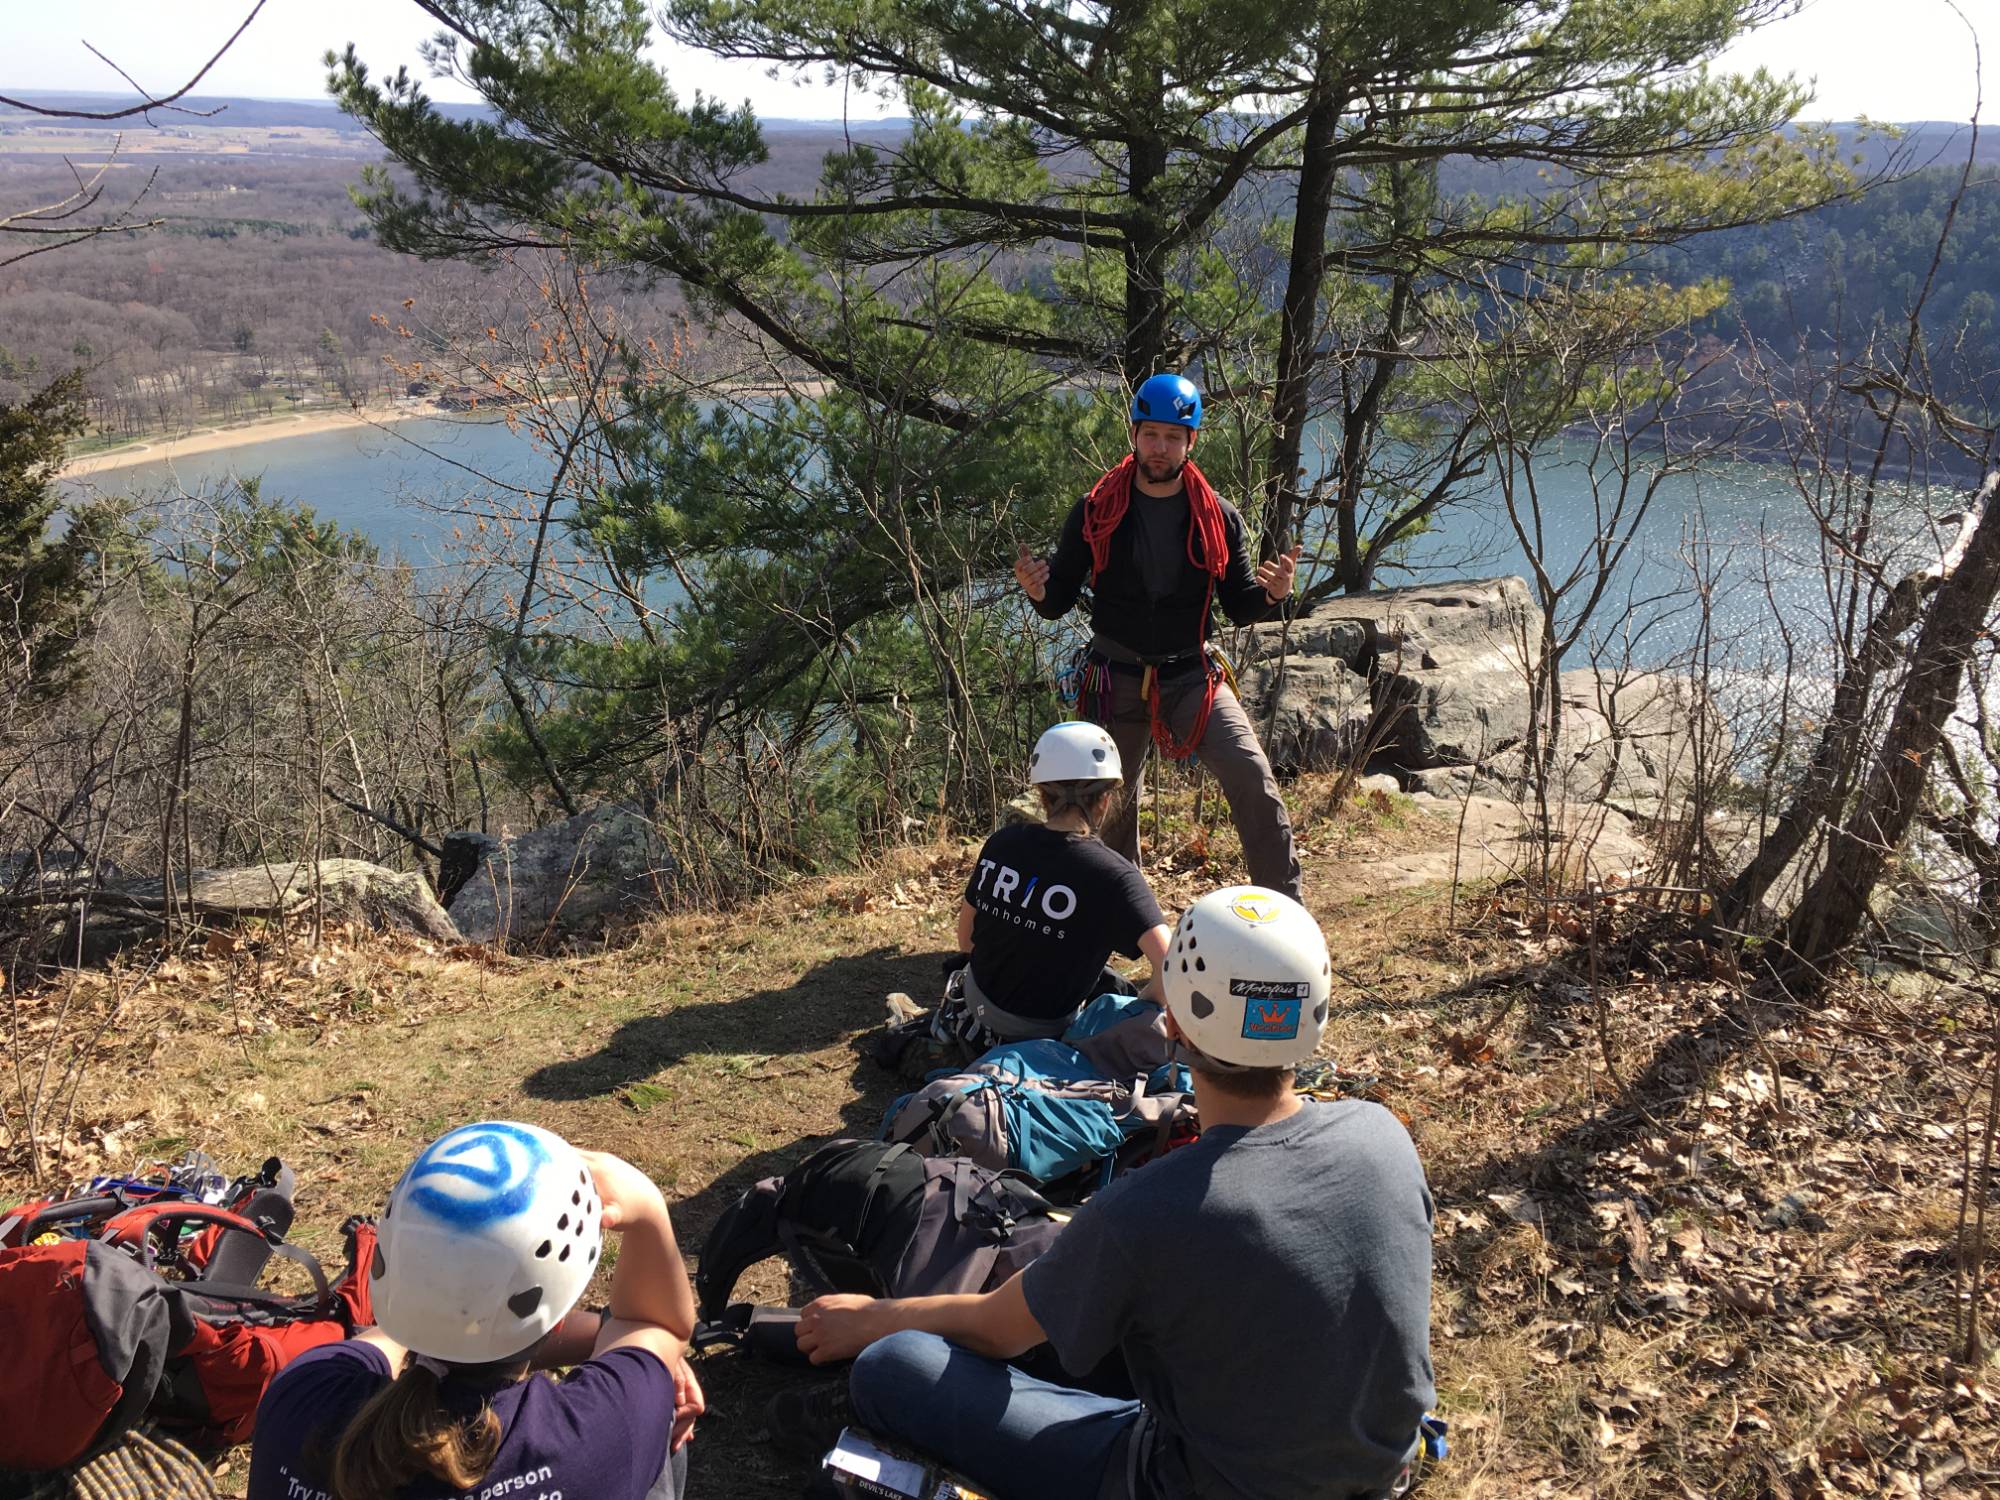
(1032, 573)
(1274, 574)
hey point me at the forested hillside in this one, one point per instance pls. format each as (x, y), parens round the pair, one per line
(1825, 281)
(262, 288)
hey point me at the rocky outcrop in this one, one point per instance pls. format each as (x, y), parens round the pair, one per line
(345, 890)
(1429, 684)
(570, 879)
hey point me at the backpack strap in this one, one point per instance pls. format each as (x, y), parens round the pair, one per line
(993, 1202)
(223, 1291)
(34, 1219)
(135, 1228)
(944, 1109)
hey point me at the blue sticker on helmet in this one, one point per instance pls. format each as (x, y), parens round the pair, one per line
(1273, 1020)
(476, 1174)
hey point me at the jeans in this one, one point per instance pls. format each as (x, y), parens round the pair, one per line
(1016, 1437)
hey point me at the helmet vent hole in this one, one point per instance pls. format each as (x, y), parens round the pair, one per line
(563, 1222)
(521, 1304)
(1201, 1005)
(579, 1226)
(593, 1255)
(1200, 966)
(546, 1247)
(576, 1197)
(583, 1177)
(378, 1267)
(1319, 1016)
(564, 1255)
(1184, 966)
(1192, 944)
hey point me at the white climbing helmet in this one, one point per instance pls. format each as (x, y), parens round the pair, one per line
(1075, 751)
(1248, 978)
(487, 1241)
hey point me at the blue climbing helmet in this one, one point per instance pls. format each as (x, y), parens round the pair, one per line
(1168, 398)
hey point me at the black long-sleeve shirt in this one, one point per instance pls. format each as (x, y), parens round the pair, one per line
(1153, 627)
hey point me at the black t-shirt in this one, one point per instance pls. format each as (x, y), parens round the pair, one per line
(1048, 909)
(1160, 541)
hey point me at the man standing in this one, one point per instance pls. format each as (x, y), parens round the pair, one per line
(1269, 1285)
(1159, 548)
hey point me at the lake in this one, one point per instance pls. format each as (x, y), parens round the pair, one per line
(368, 479)
(407, 486)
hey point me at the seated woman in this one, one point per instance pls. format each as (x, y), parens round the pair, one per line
(1047, 904)
(485, 1245)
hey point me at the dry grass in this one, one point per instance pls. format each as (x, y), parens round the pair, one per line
(1622, 1307)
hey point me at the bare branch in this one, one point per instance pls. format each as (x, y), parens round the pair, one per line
(149, 102)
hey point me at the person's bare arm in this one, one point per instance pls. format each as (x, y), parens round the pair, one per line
(996, 1323)
(1153, 944)
(652, 1302)
(965, 916)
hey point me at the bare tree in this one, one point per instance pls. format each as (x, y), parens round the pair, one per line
(74, 217)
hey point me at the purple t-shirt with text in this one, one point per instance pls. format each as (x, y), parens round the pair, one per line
(601, 1432)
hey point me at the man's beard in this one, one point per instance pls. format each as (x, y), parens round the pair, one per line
(1160, 470)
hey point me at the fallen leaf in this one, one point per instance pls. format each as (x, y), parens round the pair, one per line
(1638, 1243)
(1757, 1301)
(1468, 1051)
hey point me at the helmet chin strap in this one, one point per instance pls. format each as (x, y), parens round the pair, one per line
(1187, 1053)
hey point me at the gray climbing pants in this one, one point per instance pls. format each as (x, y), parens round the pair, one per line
(1233, 755)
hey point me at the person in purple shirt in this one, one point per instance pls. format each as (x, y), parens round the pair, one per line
(486, 1244)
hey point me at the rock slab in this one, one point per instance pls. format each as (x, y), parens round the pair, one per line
(1431, 685)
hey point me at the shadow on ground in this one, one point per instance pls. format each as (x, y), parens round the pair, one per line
(833, 1000)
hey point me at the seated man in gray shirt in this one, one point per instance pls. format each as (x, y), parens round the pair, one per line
(1268, 1285)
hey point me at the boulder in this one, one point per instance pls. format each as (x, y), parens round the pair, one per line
(1446, 698)
(1312, 712)
(570, 879)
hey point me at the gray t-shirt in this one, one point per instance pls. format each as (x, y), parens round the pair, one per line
(1270, 1289)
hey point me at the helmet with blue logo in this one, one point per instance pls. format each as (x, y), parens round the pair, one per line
(1248, 980)
(1168, 398)
(486, 1242)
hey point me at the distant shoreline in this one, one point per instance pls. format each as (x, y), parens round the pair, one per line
(304, 424)
(217, 439)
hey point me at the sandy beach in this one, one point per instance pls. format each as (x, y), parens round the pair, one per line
(215, 439)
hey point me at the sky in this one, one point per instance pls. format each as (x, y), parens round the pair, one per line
(1919, 68)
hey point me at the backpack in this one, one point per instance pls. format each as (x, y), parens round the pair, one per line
(878, 1218)
(129, 1302)
(1122, 1036)
(1040, 1108)
(239, 1336)
(88, 1331)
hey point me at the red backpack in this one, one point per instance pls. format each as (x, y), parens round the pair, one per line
(99, 1335)
(88, 1331)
